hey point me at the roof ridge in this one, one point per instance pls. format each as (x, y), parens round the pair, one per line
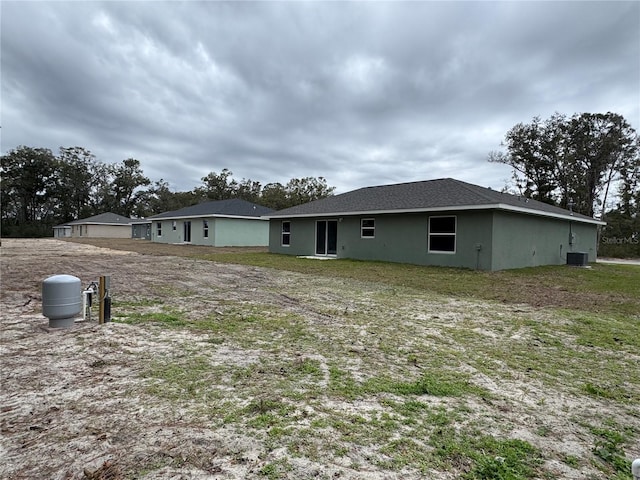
(473, 189)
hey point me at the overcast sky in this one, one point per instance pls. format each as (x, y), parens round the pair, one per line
(361, 93)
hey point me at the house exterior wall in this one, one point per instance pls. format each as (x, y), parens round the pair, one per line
(302, 236)
(485, 240)
(232, 232)
(100, 231)
(167, 234)
(398, 238)
(61, 232)
(223, 232)
(141, 230)
(530, 241)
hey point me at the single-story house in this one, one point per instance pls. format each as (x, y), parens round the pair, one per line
(443, 222)
(141, 229)
(220, 223)
(105, 225)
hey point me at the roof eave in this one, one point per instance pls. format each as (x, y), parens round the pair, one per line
(102, 223)
(209, 215)
(496, 206)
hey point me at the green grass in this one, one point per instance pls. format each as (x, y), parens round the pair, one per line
(440, 383)
(602, 288)
(410, 369)
(608, 451)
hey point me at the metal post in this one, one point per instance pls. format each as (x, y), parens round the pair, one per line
(105, 299)
(101, 295)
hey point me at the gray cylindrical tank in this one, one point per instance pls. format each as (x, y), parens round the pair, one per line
(61, 300)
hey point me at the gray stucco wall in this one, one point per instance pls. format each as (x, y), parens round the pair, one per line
(485, 240)
(529, 241)
(398, 238)
(223, 232)
(240, 233)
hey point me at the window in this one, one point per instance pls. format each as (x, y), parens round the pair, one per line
(205, 229)
(159, 229)
(286, 233)
(174, 225)
(442, 234)
(367, 228)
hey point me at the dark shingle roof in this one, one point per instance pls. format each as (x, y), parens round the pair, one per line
(440, 194)
(229, 208)
(104, 218)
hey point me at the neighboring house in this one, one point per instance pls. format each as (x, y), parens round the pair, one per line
(436, 222)
(62, 231)
(221, 223)
(141, 229)
(105, 225)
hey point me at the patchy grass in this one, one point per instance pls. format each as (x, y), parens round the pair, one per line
(603, 288)
(432, 379)
(407, 371)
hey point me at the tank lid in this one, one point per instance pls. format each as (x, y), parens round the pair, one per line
(62, 279)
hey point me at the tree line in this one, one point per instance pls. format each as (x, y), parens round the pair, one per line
(40, 189)
(589, 163)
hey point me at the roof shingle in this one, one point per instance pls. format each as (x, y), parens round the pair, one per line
(234, 207)
(420, 196)
(104, 218)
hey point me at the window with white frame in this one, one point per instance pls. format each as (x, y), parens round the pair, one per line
(159, 229)
(368, 228)
(442, 234)
(174, 225)
(286, 233)
(205, 228)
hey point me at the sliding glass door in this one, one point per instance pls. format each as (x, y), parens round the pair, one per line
(326, 237)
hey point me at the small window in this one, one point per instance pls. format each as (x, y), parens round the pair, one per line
(174, 225)
(286, 233)
(159, 229)
(367, 228)
(205, 229)
(442, 234)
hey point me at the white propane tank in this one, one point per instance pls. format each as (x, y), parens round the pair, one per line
(61, 300)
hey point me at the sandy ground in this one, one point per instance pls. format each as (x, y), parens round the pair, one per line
(73, 405)
(66, 404)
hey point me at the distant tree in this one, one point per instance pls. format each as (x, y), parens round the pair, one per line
(159, 198)
(26, 174)
(534, 153)
(296, 192)
(602, 149)
(578, 159)
(307, 189)
(126, 184)
(222, 186)
(274, 195)
(75, 170)
(249, 190)
(218, 186)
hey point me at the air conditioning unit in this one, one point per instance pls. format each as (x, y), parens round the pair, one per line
(578, 259)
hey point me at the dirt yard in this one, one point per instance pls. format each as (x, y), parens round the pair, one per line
(234, 372)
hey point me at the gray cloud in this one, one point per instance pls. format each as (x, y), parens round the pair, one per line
(360, 93)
